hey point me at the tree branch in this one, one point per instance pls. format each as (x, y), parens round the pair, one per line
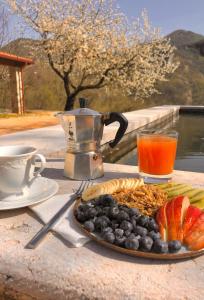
(53, 67)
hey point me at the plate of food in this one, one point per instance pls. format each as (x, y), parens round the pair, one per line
(164, 221)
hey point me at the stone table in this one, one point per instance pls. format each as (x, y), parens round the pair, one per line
(55, 270)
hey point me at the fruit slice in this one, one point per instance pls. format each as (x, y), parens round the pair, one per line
(170, 221)
(181, 204)
(195, 237)
(179, 191)
(170, 218)
(191, 193)
(192, 214)
(198, 196)
(168, 186)
(175, 187)
(162, 222)
(110, 187)
(199, 204)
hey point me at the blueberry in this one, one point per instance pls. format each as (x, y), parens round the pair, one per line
(174, 246)
(99, 211)
(138, 237)
(106, 210)
(114, 224)
(91, 213)
(146, 243)
(107, 200)
(85, 207)
(89, 225)
(113, 212)
(122, 215)
(132, 236)
(152, 225)
(143, 221)
(133, 222)
(132, 243)
(134, 212)
(120, 241)
(106, 219)
(154, 235)
(93, 219)
(160, 246)
(125, 208)
(127, 233)
(101, 223)
(109, 237)
(106, 229)
(98, 201)
(140, 231)
(119, 232)
(80, 215)
(126, 225)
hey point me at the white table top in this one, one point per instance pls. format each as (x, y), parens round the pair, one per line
(55, 270)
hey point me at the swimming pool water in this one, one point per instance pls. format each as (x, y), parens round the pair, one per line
(190, 150)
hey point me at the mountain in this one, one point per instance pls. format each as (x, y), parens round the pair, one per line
(44, 90)
(23, 47)
(180, 38)
(186, 85)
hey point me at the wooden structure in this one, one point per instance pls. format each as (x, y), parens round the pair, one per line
(16, 65)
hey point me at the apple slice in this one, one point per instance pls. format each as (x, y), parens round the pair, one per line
(195, 237)
(192, 214)
(170, 221)
(180, 206)
(162, 222)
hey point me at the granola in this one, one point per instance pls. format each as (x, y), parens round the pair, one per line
(147, 198)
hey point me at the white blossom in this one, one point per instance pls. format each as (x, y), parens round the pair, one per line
(90, 44)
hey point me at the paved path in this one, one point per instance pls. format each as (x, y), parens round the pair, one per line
(46, 139)
(51, 139)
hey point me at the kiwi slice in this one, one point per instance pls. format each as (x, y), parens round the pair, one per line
(199, 204)
(175, 188)
(168, 185)
(198, 196)
(179, 191)
(192, 193)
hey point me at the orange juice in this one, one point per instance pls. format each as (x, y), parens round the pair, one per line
(156, 154)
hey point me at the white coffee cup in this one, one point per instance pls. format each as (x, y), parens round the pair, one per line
(17, 168)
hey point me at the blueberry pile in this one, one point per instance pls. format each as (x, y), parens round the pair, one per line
(123, 226)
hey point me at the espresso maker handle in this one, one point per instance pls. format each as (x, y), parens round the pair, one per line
(116, 117)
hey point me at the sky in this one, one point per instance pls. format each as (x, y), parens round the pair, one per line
(169, 15)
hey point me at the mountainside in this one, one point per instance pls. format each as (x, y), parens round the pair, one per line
(181, 38)
(44, 90)
(186, 85)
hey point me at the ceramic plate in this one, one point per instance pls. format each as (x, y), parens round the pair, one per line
(41, 189)
(182, 254)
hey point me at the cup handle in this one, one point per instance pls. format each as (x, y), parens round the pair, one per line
(42, 162)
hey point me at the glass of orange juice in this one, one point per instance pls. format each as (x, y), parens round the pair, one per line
(156, 154)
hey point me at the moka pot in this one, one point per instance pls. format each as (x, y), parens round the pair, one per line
(83, 131)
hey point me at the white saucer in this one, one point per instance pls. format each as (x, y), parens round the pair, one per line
(41, 189)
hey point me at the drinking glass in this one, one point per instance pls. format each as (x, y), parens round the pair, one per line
(156, 154)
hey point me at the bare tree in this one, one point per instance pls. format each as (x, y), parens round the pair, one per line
(90, 45)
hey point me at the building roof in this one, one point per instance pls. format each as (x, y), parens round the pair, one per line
(14, 60)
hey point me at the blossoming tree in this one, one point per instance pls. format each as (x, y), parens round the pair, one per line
(90, 45)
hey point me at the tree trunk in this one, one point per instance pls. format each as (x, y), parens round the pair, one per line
(69, 103)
